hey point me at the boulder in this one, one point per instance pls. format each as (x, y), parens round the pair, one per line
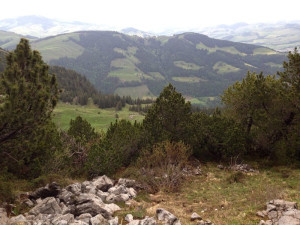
(50, 190)
(84, 217)
(16, 220)
(114, 221)
(126, 182)
(66, 196)
(98, 219)
(74, 188)
(63, 219)
(167, 217)
(102, 183)
(46, 206)
(128, 218)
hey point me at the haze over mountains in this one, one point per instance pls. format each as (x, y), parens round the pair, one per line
(281, 36)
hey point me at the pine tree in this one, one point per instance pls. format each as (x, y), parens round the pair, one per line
(30, 95)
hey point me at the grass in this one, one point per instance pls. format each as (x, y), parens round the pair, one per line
(188, 79)
(141, 91)
(231, 50)
(273, 65)
(264, 51)
(58, 47)
(222, 68)
(187, 66)
(100, 119)
(227, 197)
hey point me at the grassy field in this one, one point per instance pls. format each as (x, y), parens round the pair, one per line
(231, 50)
(222, 68)
(100, 119)
(188, 79)
(186, 65)
(141, 91)
(58, 47)
(225, 196)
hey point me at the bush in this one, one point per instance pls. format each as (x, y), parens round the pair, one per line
(160, 168)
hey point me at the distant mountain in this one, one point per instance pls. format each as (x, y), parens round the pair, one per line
(279, 36)
(9, 40)
(197, 65)
(39, 26)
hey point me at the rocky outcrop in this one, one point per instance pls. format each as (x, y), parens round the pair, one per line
(280, 212)
(90, 202)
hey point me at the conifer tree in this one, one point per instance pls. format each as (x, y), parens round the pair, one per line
(30, 95)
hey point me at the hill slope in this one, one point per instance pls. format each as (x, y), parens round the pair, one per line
(196, 64)
(3, 54)
(279, 36)
(9, 40)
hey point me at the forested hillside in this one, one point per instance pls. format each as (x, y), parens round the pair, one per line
(196, 64)
(2, 59)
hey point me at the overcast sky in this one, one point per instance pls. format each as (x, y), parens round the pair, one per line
(156, 15)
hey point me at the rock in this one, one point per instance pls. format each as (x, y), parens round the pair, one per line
(261, 214)
(47, 206)
(63, 219)
(281, 212)
(205, 222)
(146, 221)
(126, 182)
(195, 216)
(66, 196)
(117, 190)
(84, 217)
(288, 220)
(93, 207)
(3, 216)
(79, 223)
(114, 221)
(98, 219)
(102, 195)
(28, 203)
(132, 192)
(50, 190)
(128, 218)
(102, 183)
(16, 220)
(167, 217)
(74, 188)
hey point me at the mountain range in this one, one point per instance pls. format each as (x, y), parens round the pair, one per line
(281, 36)
(197, 65)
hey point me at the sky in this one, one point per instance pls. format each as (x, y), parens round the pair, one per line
(156, 15)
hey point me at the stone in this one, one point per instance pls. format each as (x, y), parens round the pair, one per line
(114, 221)
(261, 214)
(288, 220)
(79, 223)
(50, 190)
(28, 203)
(132, 192)
(167, 217)
(74, 188)
(148, 221)
(47, 206)
(102, 195)
(98, 219)
(63, 219)
(66, 196)
(18, 220)
(117, 190)
(195, 216)
(128, 218)
(126, 182)
(103, 183)
(84, 217)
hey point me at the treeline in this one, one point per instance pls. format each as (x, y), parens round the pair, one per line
(76, 89)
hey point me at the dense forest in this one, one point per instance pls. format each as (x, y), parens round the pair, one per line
(260, 121)
(196, 64)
